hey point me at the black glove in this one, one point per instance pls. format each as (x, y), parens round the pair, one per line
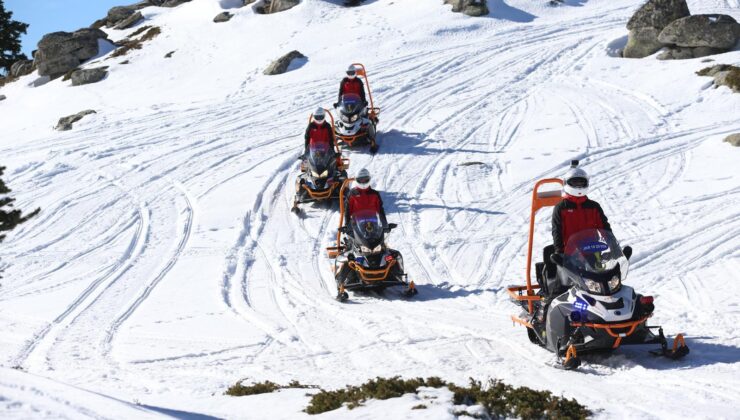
(336, 104)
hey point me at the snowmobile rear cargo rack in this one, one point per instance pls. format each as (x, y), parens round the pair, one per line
(540, 199)
(372, 111)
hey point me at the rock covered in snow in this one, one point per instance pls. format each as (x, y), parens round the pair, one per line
(647, 23)
(88, 76)
(733, 139)
(65, 123)
(130, 21)
(281, 65)
(60, 52)
(469, 7)
(683, 53)
(21, 68)
(714, 31)
(223, 17)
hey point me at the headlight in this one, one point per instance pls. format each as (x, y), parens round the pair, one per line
(315, 174)
(324, 174)
(592, 286)
(371, 251)
(377, 249)
(365, 249)
(345, 118)
(353, 119)
(614, 284)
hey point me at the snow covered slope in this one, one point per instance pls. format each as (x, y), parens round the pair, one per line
(166, 265)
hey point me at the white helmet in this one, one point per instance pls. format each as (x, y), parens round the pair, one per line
(351, 71)
(576, 181)
(363, 179)
(319, 115)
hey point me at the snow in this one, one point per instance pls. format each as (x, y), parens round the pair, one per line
(165, 264)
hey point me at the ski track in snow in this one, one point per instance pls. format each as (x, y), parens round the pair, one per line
(166, 260)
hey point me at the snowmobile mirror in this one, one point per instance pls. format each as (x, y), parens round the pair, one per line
(557, 259)
(627, 251)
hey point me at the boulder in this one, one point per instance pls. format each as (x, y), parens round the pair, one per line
(130, 21)
(65, 123)
(281, 65)
(724, 75)
(3, 97)
(87, 76)
(713, 31)
(733, 139)
(60, 52)
(223, 17)
(21, 68)
(647, 23)
(118, 14)
(173, 3)
(469, 7)
(275, 6)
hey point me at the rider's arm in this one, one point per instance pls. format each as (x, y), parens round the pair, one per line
(557, 230)
(382, 211)
(339, 95)
(604, 220)
(305, 138)
(362, 91)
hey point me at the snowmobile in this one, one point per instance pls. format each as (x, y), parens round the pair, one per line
(323, 171)
(582, 305)
(357, 122)
(362, 260)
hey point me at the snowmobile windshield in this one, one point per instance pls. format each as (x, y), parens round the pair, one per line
(594, 251)
(350, 104)
(319, 156)
(367, 227)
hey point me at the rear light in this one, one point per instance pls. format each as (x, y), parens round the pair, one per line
(646, 300)
(389, 258)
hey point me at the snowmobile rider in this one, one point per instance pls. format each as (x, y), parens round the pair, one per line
(575, 212)
(363, 197)
(351, 84)
(319, 131)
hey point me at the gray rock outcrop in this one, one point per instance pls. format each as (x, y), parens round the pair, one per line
(130, 21)
(21, 68)
(647, 23)
(724, 75)
(683, 53)
(223, 17)
(469, 7)
(60, 52)
(118, 14)
(65, 123)
(733, 139)
(281, 65)
(275, 6)
(87, 76)
(713, 31)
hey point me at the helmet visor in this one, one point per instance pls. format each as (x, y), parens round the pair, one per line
(351, 73)
(578, 182)
(363, 180)
(318, 118)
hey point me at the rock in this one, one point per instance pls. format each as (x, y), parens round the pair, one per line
(281, 65)
(3, 97)
(724, 75)
(130, 21)
(247, 2)
(173, 3)
(645, 26)
(65, 123)
(87, 76)
(169, 54)
(733, 139)
(21, 68)
(469, 7)
(223, 17)
(99, 23)
(118, 14)
(275, 6)
(60, 52)
(713, 31)
(683, 53)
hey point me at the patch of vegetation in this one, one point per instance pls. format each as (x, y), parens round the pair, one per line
(133, 43)
(240, 390)
(7, 79)
(498, 399)
(419, 407)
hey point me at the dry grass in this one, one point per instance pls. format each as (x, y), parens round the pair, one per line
(133, 43)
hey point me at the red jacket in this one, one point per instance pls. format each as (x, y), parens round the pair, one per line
(317, 134)
(364, 199)
(574, 214)
(349, 86)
